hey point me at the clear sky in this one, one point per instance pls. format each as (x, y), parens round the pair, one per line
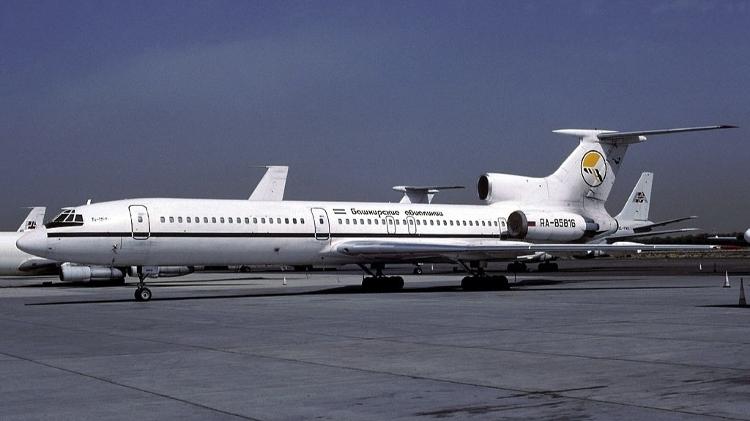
(116, 99)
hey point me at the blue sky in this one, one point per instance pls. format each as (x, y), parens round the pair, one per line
(107, 100)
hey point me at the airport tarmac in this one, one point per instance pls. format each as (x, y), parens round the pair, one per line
(662, 340)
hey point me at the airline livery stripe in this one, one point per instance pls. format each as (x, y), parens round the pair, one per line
(259, 235)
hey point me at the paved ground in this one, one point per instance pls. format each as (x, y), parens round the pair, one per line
(639, 345)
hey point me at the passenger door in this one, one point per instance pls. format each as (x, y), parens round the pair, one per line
(411, 225)
(322, 226)
(502, 225)
(390, 224)
(139, 222)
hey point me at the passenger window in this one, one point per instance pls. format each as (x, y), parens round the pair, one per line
(197, 220)
(302, 220)
(432, 222)
(353, 220)
(322, 222)
(286, 220)
(347, 221)
(188, 220)
(376, 222)
(340, 221)
(213, 219)
(369, 221)
(482, 223)
(179, 219)
(464, 222)
(278, 220)
(171, 219)
(362, 221)
(205, 219)
(230, 220)
(451, 222)
(140, 218)
(247, 220)
(221, 219)
(411, 222)
(494, 223)
(445, 222)
(417, 221)
(270, 220)
(255, 219)
(262, 220)
(476, 223)
(397, 222)
(162, 219)
(294, 220)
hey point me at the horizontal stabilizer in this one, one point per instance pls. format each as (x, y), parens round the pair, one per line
(647, 228)
(615, 137)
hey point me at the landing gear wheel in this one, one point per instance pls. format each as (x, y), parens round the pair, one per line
(548, 267)
(485, 283)
(516, 267)
(417, 270)
(382, 283)
(142, 294)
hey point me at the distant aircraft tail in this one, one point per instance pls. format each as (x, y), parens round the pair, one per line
(637, 206)
(271, 186)
(34, 219)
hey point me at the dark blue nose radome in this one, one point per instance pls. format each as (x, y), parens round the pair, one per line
(34, 242)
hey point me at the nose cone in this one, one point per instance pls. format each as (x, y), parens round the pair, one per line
(34, 242)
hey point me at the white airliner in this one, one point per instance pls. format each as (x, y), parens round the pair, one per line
(566, 206)
(14, 262)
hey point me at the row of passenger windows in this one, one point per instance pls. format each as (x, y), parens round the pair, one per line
(231, 220)
(425, 222)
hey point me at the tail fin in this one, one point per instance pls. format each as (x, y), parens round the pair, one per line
(590, 171)
(271, 186)
(34, 219)
(637, 206)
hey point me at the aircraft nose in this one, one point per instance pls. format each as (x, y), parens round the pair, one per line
(34, 242)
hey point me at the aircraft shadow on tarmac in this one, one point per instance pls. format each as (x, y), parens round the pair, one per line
(356, 289)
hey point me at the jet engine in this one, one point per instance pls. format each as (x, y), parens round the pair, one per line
(549, 226)
(75, 273)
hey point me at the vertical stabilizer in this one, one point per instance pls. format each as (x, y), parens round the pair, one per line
(34, 219)
(637, 206)
(271, 186)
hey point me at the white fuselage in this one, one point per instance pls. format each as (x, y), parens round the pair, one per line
(228, 232)
(12, 259)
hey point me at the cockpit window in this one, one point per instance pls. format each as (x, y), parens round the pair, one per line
(66, 218)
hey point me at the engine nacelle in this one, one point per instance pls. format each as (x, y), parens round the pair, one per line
(75, 273)
(172, 271)
(495, 187)
(549, 226)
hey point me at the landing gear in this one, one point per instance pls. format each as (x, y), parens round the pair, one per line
(485, 283)
(548, 267)
(418, 270)
(141, 292)
(517, 267)
(377, 282)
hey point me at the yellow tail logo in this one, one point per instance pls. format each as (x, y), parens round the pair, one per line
(593, 168)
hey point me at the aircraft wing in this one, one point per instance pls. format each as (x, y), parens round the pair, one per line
(614, 238)
(409, 250)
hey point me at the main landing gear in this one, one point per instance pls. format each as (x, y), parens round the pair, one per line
(377, 282)
(547, 267)
(142, 293)
(479, 280)
(517, 267)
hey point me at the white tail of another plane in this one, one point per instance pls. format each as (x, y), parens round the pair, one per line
(639, 201)
(271, 187)
(34, 219)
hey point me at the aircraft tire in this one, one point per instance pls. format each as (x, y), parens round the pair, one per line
(142, 294)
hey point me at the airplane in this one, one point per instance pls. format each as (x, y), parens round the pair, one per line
(739, 240)
(14, 262)
(561, 211)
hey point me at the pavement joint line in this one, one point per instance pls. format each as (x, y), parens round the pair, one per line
(553, 394)
(126, 386)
